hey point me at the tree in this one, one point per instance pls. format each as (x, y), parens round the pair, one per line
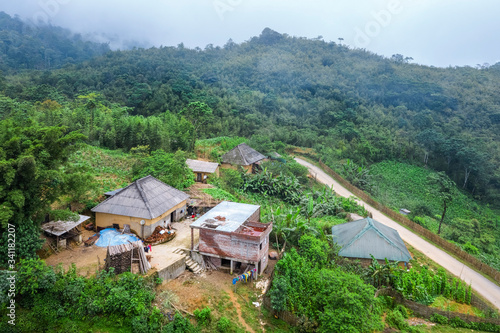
(198, 113)
(444, 189)
(31, 161)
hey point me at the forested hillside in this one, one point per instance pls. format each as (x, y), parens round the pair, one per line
(345, 103)
(25, 46)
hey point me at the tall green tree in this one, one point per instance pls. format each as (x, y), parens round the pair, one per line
(31, 178)
(199, 114)
(444, 189)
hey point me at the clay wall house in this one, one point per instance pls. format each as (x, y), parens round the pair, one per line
(146, 199)
(243, 155)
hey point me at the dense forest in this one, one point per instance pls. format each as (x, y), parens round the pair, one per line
(346, 103)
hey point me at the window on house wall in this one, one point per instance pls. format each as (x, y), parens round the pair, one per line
(261, 246)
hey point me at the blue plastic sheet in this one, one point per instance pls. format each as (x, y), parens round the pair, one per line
(112, 237)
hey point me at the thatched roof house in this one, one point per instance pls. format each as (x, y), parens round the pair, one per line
(147, 199)
(363, 238)
(202, 169)
(243, 155)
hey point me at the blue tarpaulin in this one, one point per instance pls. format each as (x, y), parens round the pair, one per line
(112, 237)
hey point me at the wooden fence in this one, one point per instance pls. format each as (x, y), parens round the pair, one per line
(418, 309)
(401, 219)
(426, 312)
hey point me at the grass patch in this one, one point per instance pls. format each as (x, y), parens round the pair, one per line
(445, 304)
(220, 194)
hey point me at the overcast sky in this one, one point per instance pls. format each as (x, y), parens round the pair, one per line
(432, 32)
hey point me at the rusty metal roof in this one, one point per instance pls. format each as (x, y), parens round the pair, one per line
(57, 228)
(227, 216)
(242, 154)
(362, 238)
(146, 198)
(202, 166)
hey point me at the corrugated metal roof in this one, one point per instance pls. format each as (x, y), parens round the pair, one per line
(57, 228)
(227, 216)
(202, 166)
(242, 154)
(145, 198)
(362, 238)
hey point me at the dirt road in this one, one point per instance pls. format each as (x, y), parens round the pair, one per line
(480, 284)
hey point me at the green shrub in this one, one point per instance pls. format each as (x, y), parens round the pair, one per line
(223, 325)
(396, 319)
(439, 319)
(203, 317)
(456, 322)
(179, 325)
(402, 309)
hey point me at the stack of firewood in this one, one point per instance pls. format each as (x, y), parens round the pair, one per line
(122, 257)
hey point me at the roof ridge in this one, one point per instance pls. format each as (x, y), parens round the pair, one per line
(241, 153)
(383, 235)
(143, 196)
(371, 225)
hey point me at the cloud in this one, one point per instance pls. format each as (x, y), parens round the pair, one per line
(439, 33)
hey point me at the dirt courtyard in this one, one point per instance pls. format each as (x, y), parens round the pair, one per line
(88, 258)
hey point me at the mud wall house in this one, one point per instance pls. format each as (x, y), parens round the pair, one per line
(203, 169)
(243, 155)
(147, 199)
(230, 235)
(363, 238)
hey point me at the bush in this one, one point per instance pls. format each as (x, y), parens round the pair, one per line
(456, 322)
(402, 309)
(203, 317)
(179, 325)
(223, 325)
(439, 319)
(396, 319)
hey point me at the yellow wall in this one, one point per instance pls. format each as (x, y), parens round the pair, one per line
(248, 168)
(104, 220)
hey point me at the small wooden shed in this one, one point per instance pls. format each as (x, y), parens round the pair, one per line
(203, 169)
(123, 257)
(62, 230)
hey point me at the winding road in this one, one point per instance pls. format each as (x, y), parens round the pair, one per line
(480, 284)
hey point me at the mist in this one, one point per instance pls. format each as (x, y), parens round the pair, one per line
(444, 33)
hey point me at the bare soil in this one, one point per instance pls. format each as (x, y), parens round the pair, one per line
(88, 258)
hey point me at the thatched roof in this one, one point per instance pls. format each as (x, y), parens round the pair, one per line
(242, 154)
(146, 198)
(58, 228)
(202, 166)
(362, 238)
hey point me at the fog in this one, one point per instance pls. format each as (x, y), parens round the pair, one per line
(438, 33)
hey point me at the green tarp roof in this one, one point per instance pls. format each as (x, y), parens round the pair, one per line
(362, 238)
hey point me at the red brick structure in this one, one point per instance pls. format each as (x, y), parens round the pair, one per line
(231, 234)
